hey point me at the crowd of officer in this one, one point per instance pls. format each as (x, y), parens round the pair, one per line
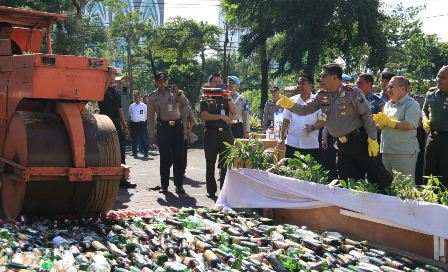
(356, 131)
(379, 131)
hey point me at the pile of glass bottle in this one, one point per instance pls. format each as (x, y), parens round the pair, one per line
(186, 240)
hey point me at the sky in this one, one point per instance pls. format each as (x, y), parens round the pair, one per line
(434, 17)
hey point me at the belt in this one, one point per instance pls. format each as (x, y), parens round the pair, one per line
(233, 122)
(217, 128)
(355, 133)
(169, 123)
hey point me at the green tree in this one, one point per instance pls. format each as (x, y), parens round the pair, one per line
(188, 77)
(259, 18)
(184, 39)
(77, 35)
(411, 52)
(126, 27)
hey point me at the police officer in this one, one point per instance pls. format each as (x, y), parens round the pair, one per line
(111, 106)
(435, 122)
(170, 135)
(350, 121)
(240, 124)
(215, 111)
(365, 83)
(385, 78)
(270, 108)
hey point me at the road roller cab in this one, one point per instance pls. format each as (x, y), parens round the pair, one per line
(53, 159)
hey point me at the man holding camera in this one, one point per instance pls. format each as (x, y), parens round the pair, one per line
(170, 133)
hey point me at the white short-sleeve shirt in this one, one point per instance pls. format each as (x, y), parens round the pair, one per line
(297, 137)
(138, 112)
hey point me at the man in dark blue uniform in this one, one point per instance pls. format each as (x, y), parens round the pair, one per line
(111, 106)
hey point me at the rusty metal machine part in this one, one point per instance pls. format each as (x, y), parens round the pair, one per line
(36, 139)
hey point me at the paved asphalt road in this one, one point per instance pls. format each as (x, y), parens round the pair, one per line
(145, 173)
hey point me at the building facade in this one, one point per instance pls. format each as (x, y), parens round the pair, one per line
(150, 9)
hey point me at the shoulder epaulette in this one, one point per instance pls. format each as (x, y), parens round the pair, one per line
(322, 91)
(377, 96)
(431, 90)
(350, 87)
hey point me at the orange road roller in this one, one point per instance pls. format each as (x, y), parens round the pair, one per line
(53, 158)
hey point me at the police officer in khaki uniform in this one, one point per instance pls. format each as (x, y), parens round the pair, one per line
(170, 135)
(240, 124)
(350, 121)
(435, 122)
(270, 108)
(215, 111)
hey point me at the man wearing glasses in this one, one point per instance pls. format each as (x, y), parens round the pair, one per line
(350, 121)
(398, 122)
(435, 122)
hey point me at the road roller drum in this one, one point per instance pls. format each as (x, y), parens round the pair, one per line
(36, 139)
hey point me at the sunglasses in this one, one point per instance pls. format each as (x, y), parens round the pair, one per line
(390, 86)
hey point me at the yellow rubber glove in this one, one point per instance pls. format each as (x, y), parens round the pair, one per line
(382, 120)
(375, 117)
(285, 102)
(427, 125)
(373, 147)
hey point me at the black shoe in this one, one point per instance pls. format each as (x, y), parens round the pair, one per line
(134, 154)
(163, 190)
(180, 190)
(212, 196)
(126, 184)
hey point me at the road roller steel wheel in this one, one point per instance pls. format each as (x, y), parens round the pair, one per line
(41, 139)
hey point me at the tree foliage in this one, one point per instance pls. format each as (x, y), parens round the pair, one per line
(77, 34)
(410, 52)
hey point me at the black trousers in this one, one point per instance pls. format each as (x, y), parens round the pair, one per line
(214, 146)
(237, 130)
(421, 137)
(314, 152)
(121, 140)
(436, 157)
(185, 155)
(138, 136)
(328, 156)
(171, 147)
(353, 161)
